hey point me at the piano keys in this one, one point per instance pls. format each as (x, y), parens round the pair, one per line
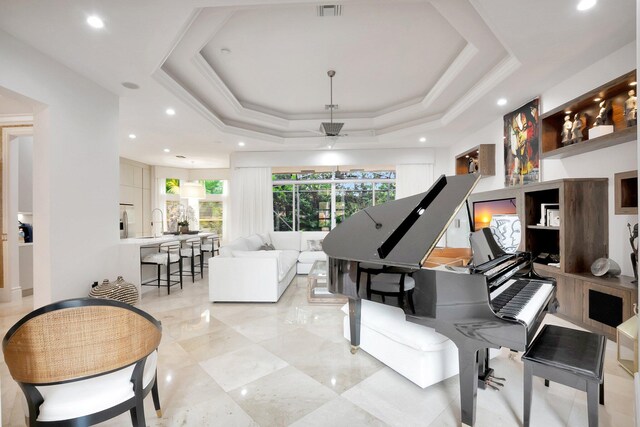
(499, 303)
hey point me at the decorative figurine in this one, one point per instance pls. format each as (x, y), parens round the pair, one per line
(566, 130)
(576, 129)
(473, 165)
(633, 237)
(603, 115)
(631, 109)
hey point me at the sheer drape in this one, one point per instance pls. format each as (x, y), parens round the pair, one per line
(413, 179)
(251, 210)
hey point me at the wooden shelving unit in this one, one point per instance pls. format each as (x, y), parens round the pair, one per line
(626, 193)
(551, 146)
(485, 157)
(581, 238)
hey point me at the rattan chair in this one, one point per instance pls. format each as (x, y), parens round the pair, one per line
(83, 361)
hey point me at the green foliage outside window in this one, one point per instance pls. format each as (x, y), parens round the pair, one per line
(213, 186)
(172, 186)
(312, 208)
(211, 216)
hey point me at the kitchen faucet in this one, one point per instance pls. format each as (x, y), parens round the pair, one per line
(161, 221)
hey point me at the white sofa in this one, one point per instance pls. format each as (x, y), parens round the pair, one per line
(244, 272)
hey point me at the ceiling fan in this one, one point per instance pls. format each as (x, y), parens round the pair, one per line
(331, 129)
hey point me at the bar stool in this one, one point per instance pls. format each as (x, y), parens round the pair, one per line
(570, 357)
(191, 250)
(167, 253)
(210, 244)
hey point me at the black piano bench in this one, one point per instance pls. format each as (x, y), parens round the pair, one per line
(570, 357)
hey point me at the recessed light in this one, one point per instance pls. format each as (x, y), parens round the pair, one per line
(633, 83)
(94, 21)
(130, 85)
(329, 146)
(423, 139)
(225, 50)
(502, 101)
(597, 99)
(568, 112)
(467, 156)
(132, 136)
(586, 4)
(170, 112)
(241, 144)
(166, 150)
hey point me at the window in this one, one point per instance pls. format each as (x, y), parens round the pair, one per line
(203, 215)
(310, 201)
(213, 187)
(211, 216)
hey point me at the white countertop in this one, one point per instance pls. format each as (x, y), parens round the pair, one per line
(148, 241)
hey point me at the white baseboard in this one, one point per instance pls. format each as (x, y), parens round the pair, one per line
(16, 293)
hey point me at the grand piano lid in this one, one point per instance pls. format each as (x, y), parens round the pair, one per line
(401, 232)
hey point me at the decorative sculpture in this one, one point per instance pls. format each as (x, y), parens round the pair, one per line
(633, 237)
(566, 130)
(631, 109)
(576, 129)
(473, 165)
(603, 117)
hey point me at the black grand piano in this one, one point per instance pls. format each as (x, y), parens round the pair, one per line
(499, 303)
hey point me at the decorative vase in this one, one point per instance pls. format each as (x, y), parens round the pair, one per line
(184, 229)
(634, 264)
(120, 290)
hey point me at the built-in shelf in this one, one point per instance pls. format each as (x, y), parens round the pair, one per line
(484, 158)
(626, 193)
(604, 141)
(616, 93)
(542, 227)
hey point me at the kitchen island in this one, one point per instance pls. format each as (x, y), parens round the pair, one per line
(133, 249)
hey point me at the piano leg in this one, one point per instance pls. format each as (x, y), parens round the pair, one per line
(354, 323)
(468, 364)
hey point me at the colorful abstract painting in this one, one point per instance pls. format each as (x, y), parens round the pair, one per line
(521, 145)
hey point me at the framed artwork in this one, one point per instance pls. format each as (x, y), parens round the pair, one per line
(522, 145)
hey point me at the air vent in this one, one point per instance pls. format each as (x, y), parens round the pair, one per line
(330, 106)
(329, 10)
(181, 157)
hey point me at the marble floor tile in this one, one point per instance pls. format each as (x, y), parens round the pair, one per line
(206, 346)
(339, 412)
(240, 367)
(287, 363)
(282, 397)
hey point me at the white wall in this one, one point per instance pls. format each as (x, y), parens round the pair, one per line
(75, 163)
(600, 163)
(25, 174)
(333, 157)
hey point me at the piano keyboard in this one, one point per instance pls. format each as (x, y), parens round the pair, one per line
(520, 299)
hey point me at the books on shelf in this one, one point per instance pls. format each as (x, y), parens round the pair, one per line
(544, 207)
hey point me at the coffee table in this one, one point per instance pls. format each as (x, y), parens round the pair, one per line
(318, 291)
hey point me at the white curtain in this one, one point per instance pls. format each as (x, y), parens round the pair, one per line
(251, 210)
(413, 179)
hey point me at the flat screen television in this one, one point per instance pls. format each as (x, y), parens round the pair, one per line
(484, 211)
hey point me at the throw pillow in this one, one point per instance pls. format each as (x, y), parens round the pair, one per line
(314, 245)
(267, 247)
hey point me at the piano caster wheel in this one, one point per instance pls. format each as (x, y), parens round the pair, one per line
(354, 349)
